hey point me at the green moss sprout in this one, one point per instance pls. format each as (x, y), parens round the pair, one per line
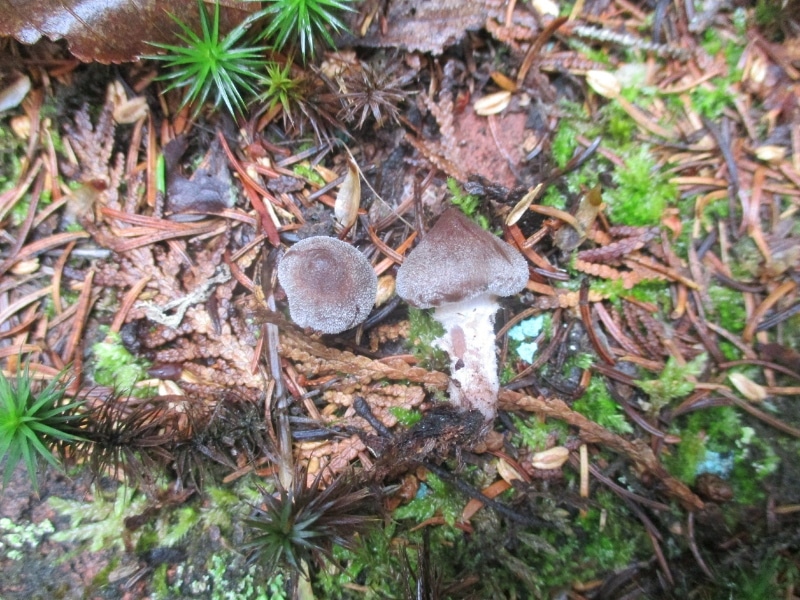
(281, 89)
(468, 203)
(210, 66)
(406, 416)
(302, 23)
(33, 423)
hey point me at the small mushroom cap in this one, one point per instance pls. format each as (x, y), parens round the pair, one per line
(330, 285)
(456, 261)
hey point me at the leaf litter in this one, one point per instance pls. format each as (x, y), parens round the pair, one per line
(680, 321)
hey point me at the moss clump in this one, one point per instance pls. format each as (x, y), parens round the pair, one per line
(615, 543)
(564, 144)
(376, 564)
(539, 435)
(728, 306)
(715, 441)
(643, 191)
(711, 103)
(468, 203)
(115, 366)
(674, 382)
(434, 498)
(305, 170)
(406, 416)
(598, 405)
(423, 331)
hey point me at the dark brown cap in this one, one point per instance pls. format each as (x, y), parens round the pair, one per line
(330, 285)
(456, 261)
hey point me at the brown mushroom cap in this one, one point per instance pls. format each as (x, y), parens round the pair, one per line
(456, 261)
(330, 285)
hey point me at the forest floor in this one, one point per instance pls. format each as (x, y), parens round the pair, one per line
(645, 162)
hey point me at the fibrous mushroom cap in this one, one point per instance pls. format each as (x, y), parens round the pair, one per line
(330, 285)
(456, 261)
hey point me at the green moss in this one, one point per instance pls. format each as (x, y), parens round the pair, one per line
(538, 435)
(614, 544)
(711, 103)
(16, 538)
(507, 374)
(768, 12)
(306, 171)
(713, 212)
(609, 288)
(598, 405)
(683, 463)
(158, 583)
(618, 124)
(674, 382)
(653, 291)
(376, 563)
(20, 210)
(564, 144)
(468, 203)
(760, 582)
(101, 579)
(728, 307)
(423, 331)
(12, 149)
(115, 367)
(101, 523)
(715, 441)
(434, 498)
(175, 526)
(642, 193)
(553, 197)
(218, 584)
(583, 49)
(405, 416)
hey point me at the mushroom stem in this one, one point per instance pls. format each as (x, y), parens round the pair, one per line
(469, 340)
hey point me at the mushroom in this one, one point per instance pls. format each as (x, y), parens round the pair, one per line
(330, 285)
(459, 269)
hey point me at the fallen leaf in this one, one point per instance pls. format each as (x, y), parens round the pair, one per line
(492, 104)
(747, 387)
(108, 32)
(348, 200)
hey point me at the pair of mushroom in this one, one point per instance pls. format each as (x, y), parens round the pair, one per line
(458, 270)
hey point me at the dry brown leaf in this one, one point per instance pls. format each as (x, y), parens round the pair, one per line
(108, 32)
(419, 25)
(748, 388)
(348, 200)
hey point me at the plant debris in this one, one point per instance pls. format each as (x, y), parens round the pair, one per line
(644, 163)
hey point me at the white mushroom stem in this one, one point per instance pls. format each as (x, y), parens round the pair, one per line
(469, 340)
